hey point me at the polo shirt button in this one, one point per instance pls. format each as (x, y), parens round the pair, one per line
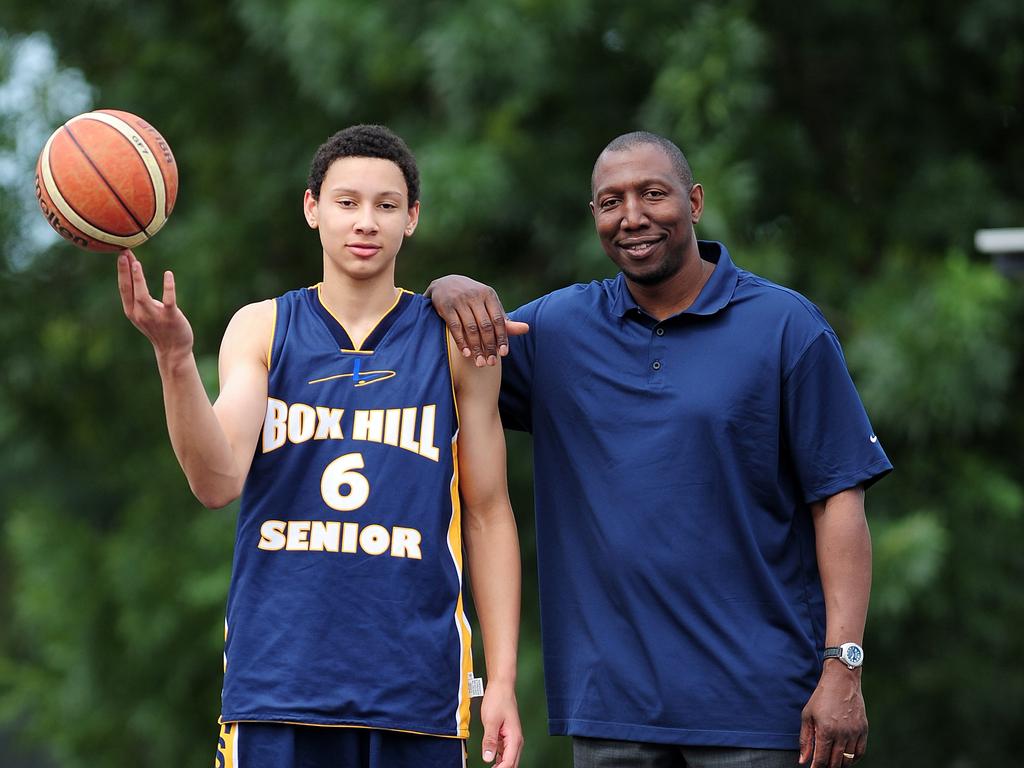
(660, 331)
(656, 365)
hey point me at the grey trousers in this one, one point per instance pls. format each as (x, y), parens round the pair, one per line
(605, 753)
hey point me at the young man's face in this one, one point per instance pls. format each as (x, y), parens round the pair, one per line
(644, 213)
(363, 214)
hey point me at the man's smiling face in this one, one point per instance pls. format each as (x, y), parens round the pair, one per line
(644, 212)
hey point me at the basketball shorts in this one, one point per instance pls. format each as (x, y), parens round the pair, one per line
(283, 745)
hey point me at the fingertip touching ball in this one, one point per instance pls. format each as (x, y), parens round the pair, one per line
(106, 180)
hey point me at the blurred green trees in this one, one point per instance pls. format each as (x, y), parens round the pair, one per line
(848, 150)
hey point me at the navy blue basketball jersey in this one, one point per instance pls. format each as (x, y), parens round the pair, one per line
(345, 605)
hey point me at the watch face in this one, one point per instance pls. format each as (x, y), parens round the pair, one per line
(854, 655)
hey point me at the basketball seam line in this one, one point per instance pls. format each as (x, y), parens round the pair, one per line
(109, 186)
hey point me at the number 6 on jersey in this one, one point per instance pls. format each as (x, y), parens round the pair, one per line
(339, 473)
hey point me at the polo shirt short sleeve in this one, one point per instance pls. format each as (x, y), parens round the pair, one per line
(517, 373)
(673, 466)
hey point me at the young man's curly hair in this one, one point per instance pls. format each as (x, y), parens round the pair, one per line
(365, 141)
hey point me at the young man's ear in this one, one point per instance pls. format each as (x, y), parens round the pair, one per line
(309, 209)
(414, 218)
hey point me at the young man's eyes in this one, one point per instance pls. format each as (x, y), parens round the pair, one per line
(386, 205)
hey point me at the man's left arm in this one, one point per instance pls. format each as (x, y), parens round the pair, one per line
(492, 550)
(834, 721)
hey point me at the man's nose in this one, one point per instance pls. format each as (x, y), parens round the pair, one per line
(634, 214)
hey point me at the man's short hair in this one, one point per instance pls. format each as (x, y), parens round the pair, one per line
(365, 141)
(638, 138)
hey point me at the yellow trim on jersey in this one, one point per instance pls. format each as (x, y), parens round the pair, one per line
(461, 622)
(227, 744)
(451, 373)
(455, 547)
(320, 298)
(358, 351)
(273, 331)
(364, 377)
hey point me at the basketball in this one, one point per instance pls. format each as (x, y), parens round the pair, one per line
(106, 180)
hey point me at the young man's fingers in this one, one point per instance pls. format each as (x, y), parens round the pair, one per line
(124, 282)
(169, 294)
(511, 751)
(490, 745)
(138, 280)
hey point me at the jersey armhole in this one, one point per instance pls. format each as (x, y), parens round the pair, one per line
(449, 342)
(273, 333)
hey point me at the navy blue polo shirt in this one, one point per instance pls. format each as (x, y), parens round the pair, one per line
(674, 466)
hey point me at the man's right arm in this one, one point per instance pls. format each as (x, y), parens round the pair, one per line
(214, 444)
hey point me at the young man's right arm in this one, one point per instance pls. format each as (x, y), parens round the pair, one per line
(214, 444)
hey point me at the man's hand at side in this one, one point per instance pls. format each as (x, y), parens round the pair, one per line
(834, 720)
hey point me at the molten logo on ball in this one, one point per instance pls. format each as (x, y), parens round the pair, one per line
(106, 180)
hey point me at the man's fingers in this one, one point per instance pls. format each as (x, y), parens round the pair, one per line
(496, 313)
(451, 318)
(860, 749)
(516, 328)
(823, 751)
(471, 333)
(485, 330)
(806, 740)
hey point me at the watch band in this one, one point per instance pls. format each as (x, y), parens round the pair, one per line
(851, 654)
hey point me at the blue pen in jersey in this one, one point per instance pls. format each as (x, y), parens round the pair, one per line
(345, 605)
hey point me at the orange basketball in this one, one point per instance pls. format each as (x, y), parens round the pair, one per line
(106, 180)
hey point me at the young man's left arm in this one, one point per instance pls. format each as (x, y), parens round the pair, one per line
(492, 550)
(834, 720)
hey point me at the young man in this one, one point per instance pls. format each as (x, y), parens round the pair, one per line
(363, 446)
(700, 459)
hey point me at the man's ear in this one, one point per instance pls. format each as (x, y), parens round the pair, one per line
(696, 202)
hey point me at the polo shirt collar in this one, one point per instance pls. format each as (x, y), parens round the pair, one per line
(714, 296)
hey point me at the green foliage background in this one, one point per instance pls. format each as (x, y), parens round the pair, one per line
(849, 150)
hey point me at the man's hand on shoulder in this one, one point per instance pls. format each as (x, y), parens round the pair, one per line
(834, 722)
(475, 317)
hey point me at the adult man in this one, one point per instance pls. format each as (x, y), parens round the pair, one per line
(339, 418)
(700, 459)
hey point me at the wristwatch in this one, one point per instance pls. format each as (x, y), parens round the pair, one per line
(851, 654)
